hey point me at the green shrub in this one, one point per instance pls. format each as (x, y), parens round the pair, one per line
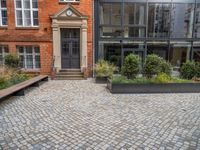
(104, 68)
(163, 78)
(152, 65)
(189, 70)
(12, 61)
(198, 69)
(3, 82)
(115, 60)
(131, 67)
(165, 67)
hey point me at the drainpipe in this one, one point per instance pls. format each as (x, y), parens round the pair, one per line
(93, 42)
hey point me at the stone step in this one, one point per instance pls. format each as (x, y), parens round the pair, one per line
(69, 73)
(58, 75)
(69, 78)
(70, 70)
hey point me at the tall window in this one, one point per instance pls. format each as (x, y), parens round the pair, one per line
(29, 57)
(3, 13)
(26, 12)
(3, 52)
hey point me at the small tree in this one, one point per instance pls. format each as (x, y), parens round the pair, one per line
(12, 61)
(189, 70)
(131, 65)
(165, 67)
(152, 65)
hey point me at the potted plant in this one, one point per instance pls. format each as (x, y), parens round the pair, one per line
(104, 70)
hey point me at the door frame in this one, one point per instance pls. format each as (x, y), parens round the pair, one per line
(79, 48)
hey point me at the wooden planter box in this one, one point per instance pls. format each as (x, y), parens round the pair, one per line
(102, 80)
(154, 88)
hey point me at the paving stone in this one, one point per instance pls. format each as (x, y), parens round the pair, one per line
(84, 115)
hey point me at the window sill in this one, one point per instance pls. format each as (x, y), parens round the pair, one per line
(27, 28)
(31, 70)
(75, 3)
(3, 27)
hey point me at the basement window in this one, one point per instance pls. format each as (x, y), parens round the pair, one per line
(29, 57)
(3, 52)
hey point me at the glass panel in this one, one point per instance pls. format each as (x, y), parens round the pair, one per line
(27, 18)
(1, 50)
(29, 49)
(158, 20)
(110, 52)
(6, 49)
(116, 14)
(134, 32)
(158, 48)
(19, 17)
(129, 13)
(35, 18)
(27, 4)
(18, 4)
(3, 3)
(105, 14)
(4, 17)
(21, 49)
(197, 22)
(29, 61)
(37, 61)
(140, 14)
(182, 20)
(196, 55)
(37, 50)
(111, 32)
(1, 60)
(179, 53)
(21, 62)
(35, 3)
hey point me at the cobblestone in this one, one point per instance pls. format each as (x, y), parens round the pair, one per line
(83, 115)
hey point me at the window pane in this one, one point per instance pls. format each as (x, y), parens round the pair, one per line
(140, 14)
(179, 53)
(35, 3)
(129, 13)
(111, 32)
(3, 3)
(29, 61)
(21, 62)
(158, 20)
(29, 49)
(1, 60)
(37, 61)
(27, 18)
(37, 50)
(35, 18)
(105, 14)
(4, 17)
(19, 17)
(6, 49)
(197, 22)
(116, 14)
(27, 4)
(134, 32)
(18, 4)
(182, 20)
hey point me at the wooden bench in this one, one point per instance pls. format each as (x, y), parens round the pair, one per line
(19, 89)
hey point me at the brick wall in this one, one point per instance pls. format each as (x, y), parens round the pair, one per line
(42, 36)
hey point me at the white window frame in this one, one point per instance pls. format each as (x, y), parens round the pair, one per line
(25, 54)
(1, 20)
(3, 54)
(23, 15)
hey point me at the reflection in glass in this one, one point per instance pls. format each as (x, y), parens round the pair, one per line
(158, 20)
(134, 32)
(182, 20)
(197, 21)
(111, 32)
(179, 53)
(160, 49)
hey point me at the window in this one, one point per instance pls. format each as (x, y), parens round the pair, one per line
(29, 57)
(197, 21)
(3, 13)
(3, 52)
(26, 12)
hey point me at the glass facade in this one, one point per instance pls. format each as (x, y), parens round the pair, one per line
(168, 28)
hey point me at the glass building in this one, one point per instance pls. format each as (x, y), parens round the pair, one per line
(168, 28)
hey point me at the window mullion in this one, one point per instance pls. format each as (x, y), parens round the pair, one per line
(25, 58)
(23, 18)
(31, 9)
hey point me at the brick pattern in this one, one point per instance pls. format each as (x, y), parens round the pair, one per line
(42, 35)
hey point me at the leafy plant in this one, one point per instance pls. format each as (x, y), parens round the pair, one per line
(17, 78)
(189, 70)
(3, 82)
(152, 65)
(131, 67)
(12, 61)
(165, 67)
(163, 78)
(104, 68)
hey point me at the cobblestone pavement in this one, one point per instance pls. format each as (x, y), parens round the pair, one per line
(84, 115)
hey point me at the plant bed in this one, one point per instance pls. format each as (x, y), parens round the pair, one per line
(150, 87)
(101, 80)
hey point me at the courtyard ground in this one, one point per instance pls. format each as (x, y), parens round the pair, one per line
(84, 115)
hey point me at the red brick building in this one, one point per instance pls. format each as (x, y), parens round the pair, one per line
(48, 33)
